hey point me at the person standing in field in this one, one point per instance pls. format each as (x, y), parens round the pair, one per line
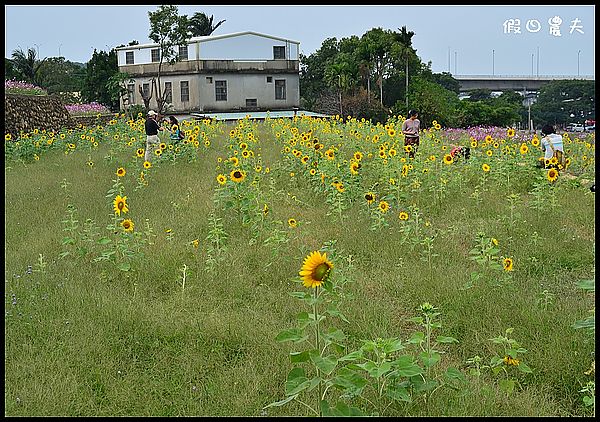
(410, 129)
(152, 140)
(552, 142)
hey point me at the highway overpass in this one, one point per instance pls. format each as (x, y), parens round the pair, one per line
(511, 82)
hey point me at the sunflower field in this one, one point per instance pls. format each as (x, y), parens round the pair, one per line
(298, 267)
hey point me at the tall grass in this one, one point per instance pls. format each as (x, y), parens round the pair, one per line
(84, 338)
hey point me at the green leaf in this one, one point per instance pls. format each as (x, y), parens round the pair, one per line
(507, 385)
(406, 367)
(336, 313)
(524, 368)
(303, 320)
(586, 284)
(68, 241)
(398, 394)
(335, 335)
(392, 345)
(104, 241)
(352, 356)
(350, 381)
(382, 369)
(124, 266)
(429, 359)
(296, 357)
(453, 373)
(292, 334)
(416, 337)
(446, 339)
(282, 402)
(296, 382)
(327, 364)
(588, 401)
(300, 295)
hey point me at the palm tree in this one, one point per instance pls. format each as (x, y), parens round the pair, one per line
(27, 65)
(201, 25)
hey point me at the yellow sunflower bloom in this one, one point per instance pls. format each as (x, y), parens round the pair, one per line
(237, 176)
(147, 164)
(448, 159)
(121, 172)
(120, 205)
(403, 216)
(485, 167)
(384, 206)
(222, 179)
(127, 225)
(507, 264)
(292, 223)
(552, 175)
(315, 269)
(370, 197)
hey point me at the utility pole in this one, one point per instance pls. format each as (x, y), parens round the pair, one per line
(493, 70)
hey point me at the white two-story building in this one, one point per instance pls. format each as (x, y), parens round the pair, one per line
(231, 72)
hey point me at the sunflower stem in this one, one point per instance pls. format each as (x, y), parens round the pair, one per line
(318, 346)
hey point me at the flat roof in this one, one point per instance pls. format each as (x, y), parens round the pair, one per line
(257, 115)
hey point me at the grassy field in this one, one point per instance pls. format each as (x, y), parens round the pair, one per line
(179, 317)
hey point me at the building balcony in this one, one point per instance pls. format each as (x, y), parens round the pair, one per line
(214, 66)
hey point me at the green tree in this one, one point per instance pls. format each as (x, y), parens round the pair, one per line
(312, 72)
(27, 65)
(62, 77)
(558, 100)
(117, 87)
(169, 31)
(201, 25)
(433, 102)
(446, 80)
(9, 70)
(99, 69)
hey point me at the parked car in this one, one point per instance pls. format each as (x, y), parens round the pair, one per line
(575, 127)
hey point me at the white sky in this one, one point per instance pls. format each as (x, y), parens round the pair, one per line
(464, 40)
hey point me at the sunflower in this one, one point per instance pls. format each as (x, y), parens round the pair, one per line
(392, 152)
(489, 152)
(473, 143)
(488, 138)
(354, 166)
(384, 206)
(408, 148)
(507, 263)
(535, 141)
(195, 243)
(119, 204)
(391, 132)
(552, 174)
(448, 159)
(234, 160)
(158, 152)
(524, 148)
(330, 154)
(162, 145)
(121, 172)
(292, 223)
(90, 163)
(437, 126)
(554, 160)
(370, 197)
(358, 155)
(403, 216)
(432, 158)
(495, 241)
(485, 167)
(245, 153)
(340, 187)
(222, 179)
(510, 133)
(315, 269)
(305, 159)
(237, 176)
(140, 152)
(147, 164)
(127, 225)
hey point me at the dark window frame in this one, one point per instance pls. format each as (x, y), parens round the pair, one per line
(184, 89)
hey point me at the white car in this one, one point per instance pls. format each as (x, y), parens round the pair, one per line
(576, 127)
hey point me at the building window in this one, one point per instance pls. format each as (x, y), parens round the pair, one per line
(209, 79)
(278, 52)
(184, 86)
(129, 57)
(269, 79)
(280, 89)
(251, 102)
(168, 93)
(155, 52)
(183, 52)
(131, 93)
(146, 90)
(221, 90)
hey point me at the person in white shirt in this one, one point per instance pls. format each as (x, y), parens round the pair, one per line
(550, 142)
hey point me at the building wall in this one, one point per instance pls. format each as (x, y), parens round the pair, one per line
(244, 61)
(202, 94)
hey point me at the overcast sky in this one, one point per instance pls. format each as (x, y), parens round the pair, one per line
(462, 40)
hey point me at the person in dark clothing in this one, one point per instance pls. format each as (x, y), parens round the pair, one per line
(152, 140)
(176, 133)
(410, 130)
